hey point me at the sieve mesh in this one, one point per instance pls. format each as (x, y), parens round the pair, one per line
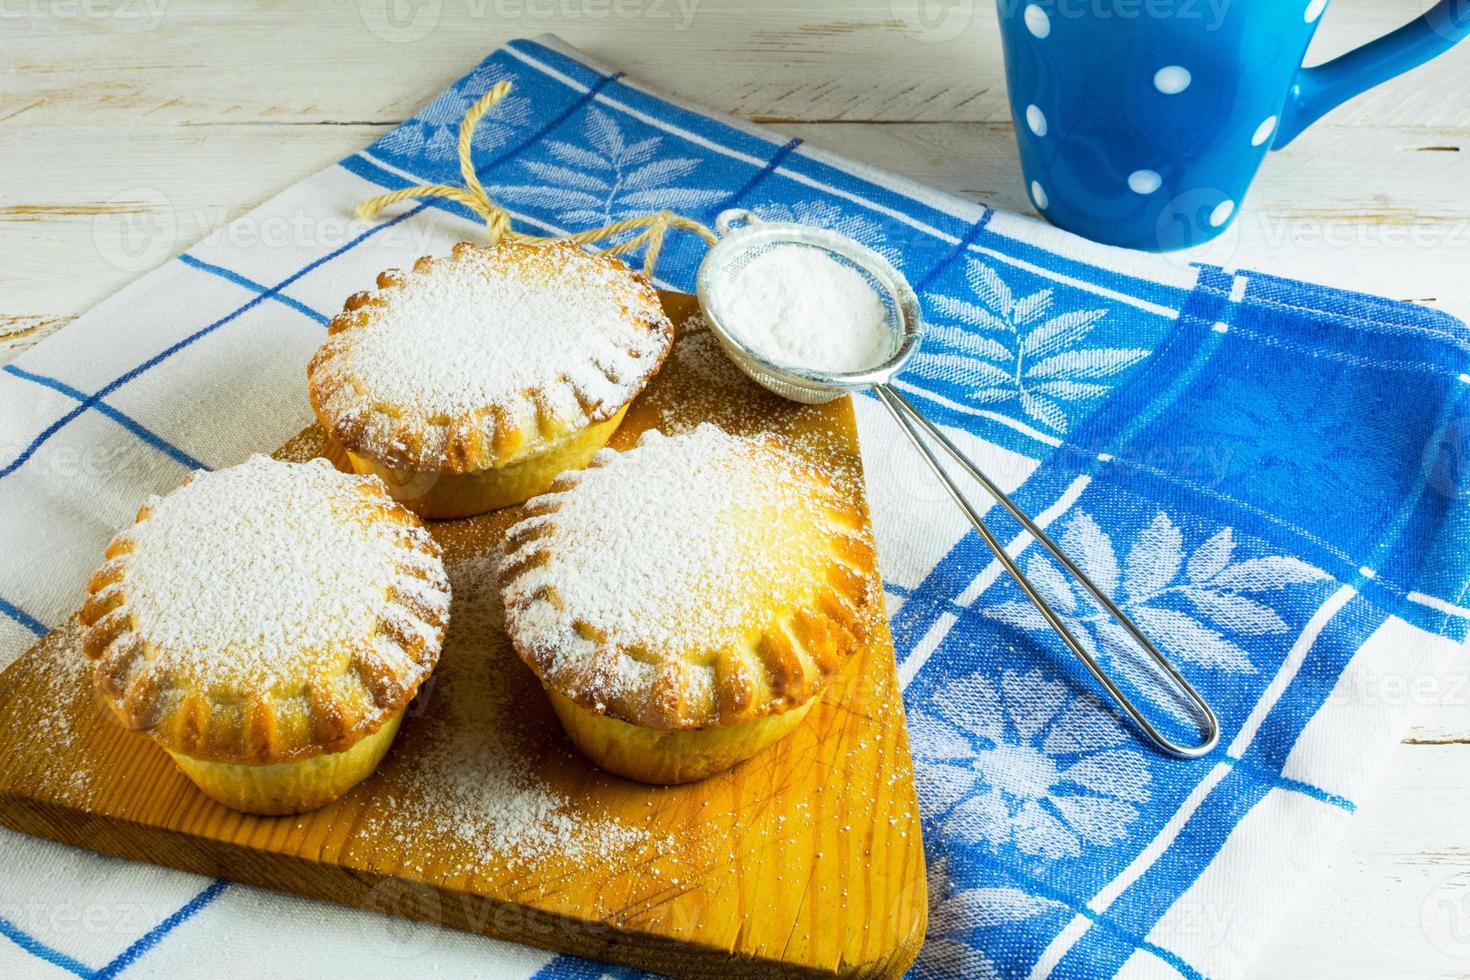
(745, 238)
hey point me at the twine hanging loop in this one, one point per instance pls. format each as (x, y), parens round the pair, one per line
(651, 228)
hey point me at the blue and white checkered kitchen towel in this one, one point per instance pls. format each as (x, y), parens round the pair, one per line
(1266, 474)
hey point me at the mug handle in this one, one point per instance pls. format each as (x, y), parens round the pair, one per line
(1318, 90)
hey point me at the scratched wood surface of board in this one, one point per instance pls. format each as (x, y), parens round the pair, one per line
(804, 860)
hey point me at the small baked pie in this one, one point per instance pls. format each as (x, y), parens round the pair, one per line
(686, 602)
(470, 382)
(268, 625)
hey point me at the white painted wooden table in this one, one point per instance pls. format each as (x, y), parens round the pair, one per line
(187, 113)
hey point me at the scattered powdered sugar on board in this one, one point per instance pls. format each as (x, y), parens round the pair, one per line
(253, 577)
(710, 388)
(699, 354)
(701, 384)
(796, 305)
(64, 689)
(469, 778)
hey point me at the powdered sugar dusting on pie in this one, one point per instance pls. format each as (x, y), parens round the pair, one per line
(669, 566)
(472, 354)
(289, 583)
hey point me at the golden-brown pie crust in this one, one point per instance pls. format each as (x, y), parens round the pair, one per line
(369, 674)
(513, 424)
(759, 668)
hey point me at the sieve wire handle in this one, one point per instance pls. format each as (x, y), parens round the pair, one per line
(917, 428)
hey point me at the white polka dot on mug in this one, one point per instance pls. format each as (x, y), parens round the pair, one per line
(1037, 21)
(1172, 79)
(1036, 120)
(1144, 181)
(1264, 130)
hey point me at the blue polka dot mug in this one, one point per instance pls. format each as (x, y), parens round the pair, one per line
(1142, 122)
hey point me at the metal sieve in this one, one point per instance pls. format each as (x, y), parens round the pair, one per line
(743, 237)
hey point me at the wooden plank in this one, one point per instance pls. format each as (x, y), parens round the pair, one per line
(143, 121)
(1379, 222)
(844, 60)
(806, 860)
(1396, 889)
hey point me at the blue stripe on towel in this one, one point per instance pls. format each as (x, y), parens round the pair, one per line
(136, 428)
(40, 950)
(173, 349)
(22, 617)
(253, 286)
(154, 936)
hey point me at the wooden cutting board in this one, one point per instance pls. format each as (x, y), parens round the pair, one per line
(805, 860)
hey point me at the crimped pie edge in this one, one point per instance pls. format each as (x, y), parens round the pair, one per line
(489, 436)
(193, 723)
(798, 652)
